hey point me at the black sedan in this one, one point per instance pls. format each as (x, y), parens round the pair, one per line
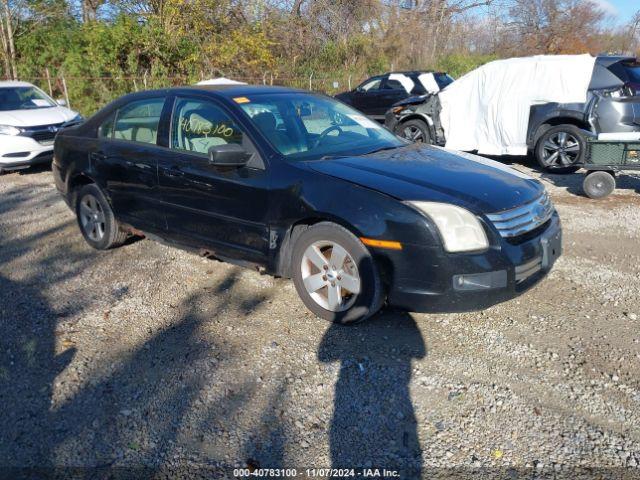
(301, 186)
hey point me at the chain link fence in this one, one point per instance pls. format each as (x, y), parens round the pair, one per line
(88, 94)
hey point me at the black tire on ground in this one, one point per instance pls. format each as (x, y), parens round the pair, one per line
(323, 238)
(598, 184)
(556, 155)
(96, 220)
(414, 130)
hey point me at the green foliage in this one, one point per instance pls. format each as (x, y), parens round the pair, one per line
(458, 64)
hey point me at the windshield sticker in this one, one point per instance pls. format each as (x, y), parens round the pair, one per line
(39, 102)
(241, 100)
(364, 121)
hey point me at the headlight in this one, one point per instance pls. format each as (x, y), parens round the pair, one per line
(9, 130)
(397, 110)
(460, 229)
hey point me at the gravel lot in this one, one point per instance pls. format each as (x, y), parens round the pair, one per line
(151, 356)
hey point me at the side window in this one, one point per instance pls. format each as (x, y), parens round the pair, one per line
(138, 121)
(198, 125)
(393, 85)
(105, 130)
(371, 84)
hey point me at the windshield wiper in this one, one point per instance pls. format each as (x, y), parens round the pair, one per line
(382, 149)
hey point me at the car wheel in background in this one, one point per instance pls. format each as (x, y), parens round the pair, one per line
(415, 131)
(561, 148)
(96, 220)
(599, 184)
(335, 275)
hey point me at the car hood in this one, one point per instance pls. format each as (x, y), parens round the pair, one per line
(434, 174)
(36, 116)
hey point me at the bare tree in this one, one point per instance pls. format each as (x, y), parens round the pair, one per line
(8, 42)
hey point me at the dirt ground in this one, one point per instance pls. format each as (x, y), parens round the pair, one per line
(148, 356)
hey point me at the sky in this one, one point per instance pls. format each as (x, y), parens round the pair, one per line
(620, 10)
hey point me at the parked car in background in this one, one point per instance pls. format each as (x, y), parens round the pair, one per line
(29, 121)
(376, 95)
(556, 133)
(300, 185)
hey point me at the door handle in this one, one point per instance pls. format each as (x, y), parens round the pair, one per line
(97, 156)
(173, 172)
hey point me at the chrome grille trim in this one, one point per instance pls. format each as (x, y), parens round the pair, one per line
(525, 270)
(523, 219)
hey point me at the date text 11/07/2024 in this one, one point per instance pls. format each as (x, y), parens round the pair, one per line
(315, 473)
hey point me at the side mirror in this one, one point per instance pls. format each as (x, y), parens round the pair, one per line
(228, 155)
(61, 102)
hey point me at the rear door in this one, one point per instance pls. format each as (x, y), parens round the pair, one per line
(127, 161)
(366, 98)
(221, 209)
(392, 92)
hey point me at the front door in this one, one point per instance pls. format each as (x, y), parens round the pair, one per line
(221, 209)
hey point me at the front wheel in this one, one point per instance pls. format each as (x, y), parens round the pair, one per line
(561, 149)
(335, 275)
(415, 131)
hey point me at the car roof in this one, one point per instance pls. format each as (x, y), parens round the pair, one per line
(606, 60)
(13, 83)
(231, 91)
(413, 72)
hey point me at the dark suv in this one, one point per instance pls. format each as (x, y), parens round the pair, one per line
(556, 132)
(376, 95)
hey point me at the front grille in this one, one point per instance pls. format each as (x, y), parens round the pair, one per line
(43, 137)
(42, 134)
(521, 220)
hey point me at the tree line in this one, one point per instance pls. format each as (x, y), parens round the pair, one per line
(105, 48)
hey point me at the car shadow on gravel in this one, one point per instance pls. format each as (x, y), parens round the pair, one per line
(373, 425)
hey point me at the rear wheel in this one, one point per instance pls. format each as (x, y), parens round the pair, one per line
(415, 131)
(335, 275)
(599, 184)
(96, 220)
(561, 149)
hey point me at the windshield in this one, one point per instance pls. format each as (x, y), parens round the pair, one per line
(23, 98)
(304, 126)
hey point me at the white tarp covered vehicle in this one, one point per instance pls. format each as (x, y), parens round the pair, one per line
(488, 109)
(220, 81)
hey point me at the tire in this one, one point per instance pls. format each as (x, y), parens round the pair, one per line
(415, 131)
(557, 156)
(319, 285)
(598, 184)
(96, 220)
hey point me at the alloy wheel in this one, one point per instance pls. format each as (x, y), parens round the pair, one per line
(92, 218)
(562, 149)
(413, 133)
(330, 276)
